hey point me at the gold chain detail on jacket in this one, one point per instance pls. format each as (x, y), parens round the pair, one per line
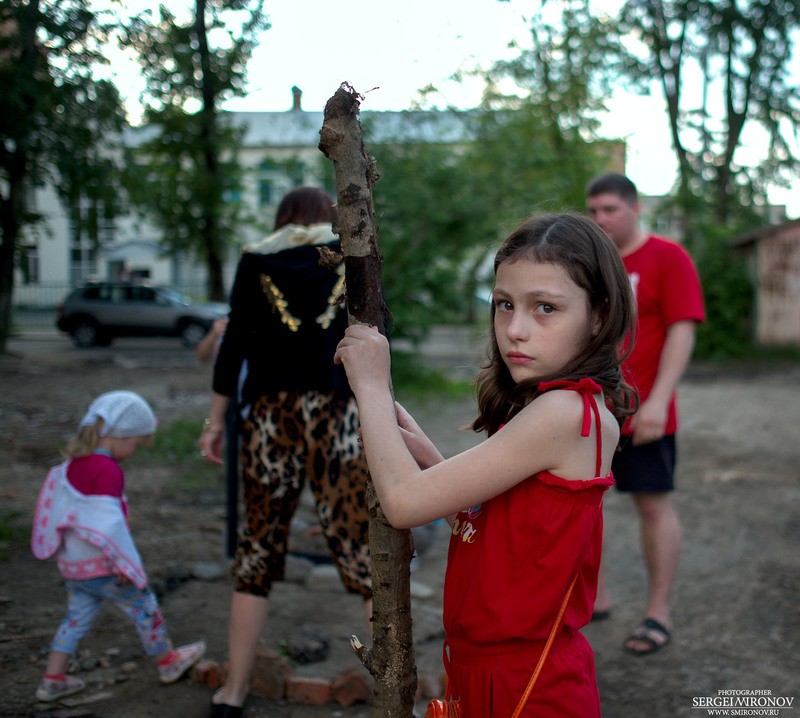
(325, 319)
(280, 305)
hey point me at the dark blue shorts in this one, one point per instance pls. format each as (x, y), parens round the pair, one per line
(649, 468)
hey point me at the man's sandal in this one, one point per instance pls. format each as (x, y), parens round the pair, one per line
(653, 634)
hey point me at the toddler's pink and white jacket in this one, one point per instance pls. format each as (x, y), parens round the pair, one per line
(88, 534)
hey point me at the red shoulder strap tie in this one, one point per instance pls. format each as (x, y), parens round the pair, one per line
(587, 388)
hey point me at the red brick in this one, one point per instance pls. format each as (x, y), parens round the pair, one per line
(308, 691)
(351, 687)
(208, 672)
(269, 676)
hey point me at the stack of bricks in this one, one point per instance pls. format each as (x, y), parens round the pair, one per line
(273, 679)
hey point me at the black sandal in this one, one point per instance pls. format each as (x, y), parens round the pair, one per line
(223, 710)
(646, 633)
(220, 710)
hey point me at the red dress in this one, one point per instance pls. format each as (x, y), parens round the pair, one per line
(510, 563)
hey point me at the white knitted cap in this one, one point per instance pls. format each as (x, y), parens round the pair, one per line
(124, 413)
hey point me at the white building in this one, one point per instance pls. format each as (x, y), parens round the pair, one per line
(279, 152)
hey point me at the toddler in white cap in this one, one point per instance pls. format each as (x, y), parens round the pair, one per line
(82, 518)
(124, 413)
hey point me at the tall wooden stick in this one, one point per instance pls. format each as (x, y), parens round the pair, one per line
(391, 658)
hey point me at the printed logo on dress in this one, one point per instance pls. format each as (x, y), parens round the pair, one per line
(474, 512)
(464, 527)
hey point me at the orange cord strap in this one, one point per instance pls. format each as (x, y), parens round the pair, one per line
(545, 651)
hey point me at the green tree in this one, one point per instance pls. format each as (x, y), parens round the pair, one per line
(428, 229)
(567, 70)
(728, 295)
(537, 142)
(743, 53)
(57, 125)
(84, 154)
(187, 177)
(443, 208)
(739, 56)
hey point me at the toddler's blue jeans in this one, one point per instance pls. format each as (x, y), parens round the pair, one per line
(84, 598)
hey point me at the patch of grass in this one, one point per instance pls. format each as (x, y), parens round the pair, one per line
(11, 533)
(176, 442)
(769, 356)
(176, 445)
(413, 378)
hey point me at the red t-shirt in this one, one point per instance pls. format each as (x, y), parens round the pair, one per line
(97, 475)
(667, 290)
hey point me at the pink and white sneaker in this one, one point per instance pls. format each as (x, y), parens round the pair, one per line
(187, 656)
(50, 690)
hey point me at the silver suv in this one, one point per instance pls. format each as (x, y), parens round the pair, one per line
(98, 312)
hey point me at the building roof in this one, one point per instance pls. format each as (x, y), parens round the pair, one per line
(756, 235)
(298, 128)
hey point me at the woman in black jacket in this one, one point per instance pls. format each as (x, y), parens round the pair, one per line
(285, 322)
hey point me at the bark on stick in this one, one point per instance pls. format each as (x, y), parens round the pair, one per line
(390, 660)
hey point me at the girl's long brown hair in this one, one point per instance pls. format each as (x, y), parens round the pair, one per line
(577, 244)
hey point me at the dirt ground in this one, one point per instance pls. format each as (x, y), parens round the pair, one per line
(736, 607)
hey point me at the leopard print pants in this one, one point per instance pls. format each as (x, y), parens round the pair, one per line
(288, 438)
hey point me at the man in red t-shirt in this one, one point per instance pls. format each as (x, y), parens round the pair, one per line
(670, 305)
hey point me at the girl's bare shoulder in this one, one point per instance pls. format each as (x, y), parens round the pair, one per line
(548, 420)
(568, 405)
(553, 423)
(556, 404)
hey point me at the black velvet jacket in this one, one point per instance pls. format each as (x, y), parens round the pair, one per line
(284, 324)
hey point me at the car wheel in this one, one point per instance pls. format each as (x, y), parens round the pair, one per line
(85, 334)
(192, 333)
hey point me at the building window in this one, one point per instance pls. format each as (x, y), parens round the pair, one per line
(91, 228)
(274, 179)
(29, 264)
(83, 263)
(140, 274)
(106, 230)
(297, 173)
(269, 174)
(265, 193)
(116, 269)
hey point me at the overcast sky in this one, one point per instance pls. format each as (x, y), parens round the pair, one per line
(388, 51)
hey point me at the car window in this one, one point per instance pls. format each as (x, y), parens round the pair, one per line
(92, 293)
(174, 297)
(142, 294)
(116, 294)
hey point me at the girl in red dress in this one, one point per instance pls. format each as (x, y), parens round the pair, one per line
(525, 504)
